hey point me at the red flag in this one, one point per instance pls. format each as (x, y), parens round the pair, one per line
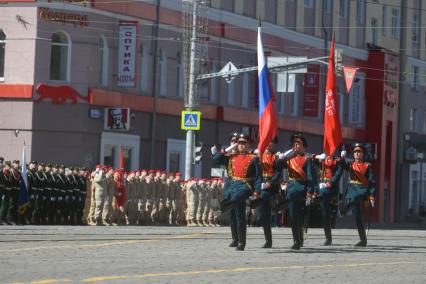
(350, 73)
(121, 189)
(332, 129)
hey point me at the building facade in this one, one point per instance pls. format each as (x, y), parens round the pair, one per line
(63, 83)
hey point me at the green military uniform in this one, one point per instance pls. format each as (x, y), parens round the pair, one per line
(39, 215)
(32, 195)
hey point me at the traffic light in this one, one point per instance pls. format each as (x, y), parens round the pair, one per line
(198, 152)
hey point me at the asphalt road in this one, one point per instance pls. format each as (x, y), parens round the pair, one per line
(47, 254)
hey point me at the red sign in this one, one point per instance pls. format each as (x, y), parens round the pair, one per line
(311, 91)
(350, 74)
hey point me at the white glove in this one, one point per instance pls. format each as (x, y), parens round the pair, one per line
(284, 155)
(230, 148)
(372, 203)
(322, 185)
(101, 172)
(264, 185)
(343, 154)
(213, 150)
(255, 151)
(320, 157)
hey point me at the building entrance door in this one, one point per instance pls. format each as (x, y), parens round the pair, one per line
(112, 143)
(176, 158)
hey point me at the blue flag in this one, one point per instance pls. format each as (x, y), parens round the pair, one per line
(23, 191)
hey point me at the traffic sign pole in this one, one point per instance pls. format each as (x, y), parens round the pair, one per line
(191, 96)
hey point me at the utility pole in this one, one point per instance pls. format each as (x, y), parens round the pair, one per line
(154, 48)
(191, 102)
(194, 20)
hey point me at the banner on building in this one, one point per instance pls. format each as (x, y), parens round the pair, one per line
(117, 119)
(127, 54)
(311, 91)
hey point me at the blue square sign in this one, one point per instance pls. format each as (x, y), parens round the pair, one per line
(190, 120)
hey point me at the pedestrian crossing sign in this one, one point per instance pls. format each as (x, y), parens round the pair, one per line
(190, 120)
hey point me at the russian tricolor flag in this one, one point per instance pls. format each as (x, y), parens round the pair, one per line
(267, 116)
(23, 202)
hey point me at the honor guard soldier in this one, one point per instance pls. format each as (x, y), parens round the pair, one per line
(271, 173)
(218, 156)
(246, 177)
(362, 186)
(330, 171)
(301, 183)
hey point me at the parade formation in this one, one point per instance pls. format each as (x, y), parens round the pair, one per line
(104, 196)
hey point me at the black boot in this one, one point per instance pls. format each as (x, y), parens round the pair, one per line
(328, 239)
(242, 231)
(362, 237)
(302, 235)
(268, 236)
(234, 233)
(296, 238)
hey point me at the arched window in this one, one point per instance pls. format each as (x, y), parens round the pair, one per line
(2, 53)
(60, 57)
(179, 76)
(103, 61)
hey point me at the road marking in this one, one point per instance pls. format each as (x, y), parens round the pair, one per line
(245, 269)
(127, 242)
(49, 281)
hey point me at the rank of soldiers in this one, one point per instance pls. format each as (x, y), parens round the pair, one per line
(256, 177)
(76, 196)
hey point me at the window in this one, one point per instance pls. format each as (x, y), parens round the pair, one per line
(360, 12)
(424, 122)
(294, 101)
(384, 20)
(231, 95)
(342, 107)
(162, 72)
(60, 57)
(356, 102)
(309, 3)
(245, 91)
(415, 80)
(109, 155)
(373, 28)
(395, 23)
(144, 69)
(327, 6)
(103, 62)
(179, 76)
(413, 119)
(415, 29)
(2, 54)
(213, 83)
(343, 9)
